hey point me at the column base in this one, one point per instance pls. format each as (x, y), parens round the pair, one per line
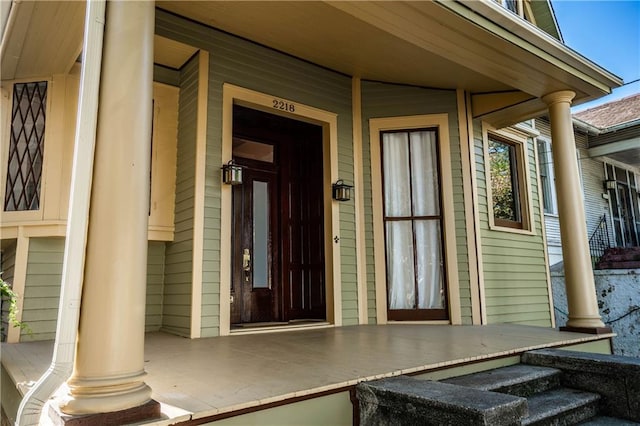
(587, 330)
(148, 411)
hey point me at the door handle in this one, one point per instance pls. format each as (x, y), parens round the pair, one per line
(246, 260)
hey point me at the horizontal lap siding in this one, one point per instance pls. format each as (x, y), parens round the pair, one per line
(515, 277)
(245, 64)
(44, 277)
(155, 285)
(592, 174)
(42, 288)
(7, 267)
(176, 303)
(389, 100)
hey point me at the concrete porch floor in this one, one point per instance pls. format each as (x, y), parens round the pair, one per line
(195, 379)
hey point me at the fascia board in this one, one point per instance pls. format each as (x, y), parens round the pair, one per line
(496, 19)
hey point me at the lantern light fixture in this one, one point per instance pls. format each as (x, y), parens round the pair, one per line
(232, 173)
(341, 191)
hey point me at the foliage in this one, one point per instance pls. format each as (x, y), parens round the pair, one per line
(7, 294)
(502, 181)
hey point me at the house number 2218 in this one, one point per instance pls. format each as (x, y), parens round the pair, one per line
(284, 106)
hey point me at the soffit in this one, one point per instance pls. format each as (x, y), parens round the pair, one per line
(325, 35)
(424, 43)
(42, 38)
(171, 53)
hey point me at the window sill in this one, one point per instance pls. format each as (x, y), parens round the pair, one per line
(498, 228)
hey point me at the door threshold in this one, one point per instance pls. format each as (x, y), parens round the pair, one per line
(272, 327)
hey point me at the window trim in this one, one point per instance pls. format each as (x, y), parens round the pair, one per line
(7, 105)
(547, 156)
(520, 141)
(417, 314)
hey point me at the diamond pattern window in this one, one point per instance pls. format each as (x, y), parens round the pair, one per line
(26, 147)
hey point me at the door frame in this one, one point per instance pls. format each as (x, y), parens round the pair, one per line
(276, 105)
(441, 122)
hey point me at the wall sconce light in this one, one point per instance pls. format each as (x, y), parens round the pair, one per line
(610, 184)
(232, 173)
(341, 191)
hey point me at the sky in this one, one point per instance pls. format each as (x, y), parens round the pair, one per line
(608, 33)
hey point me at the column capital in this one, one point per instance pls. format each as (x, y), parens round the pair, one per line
(560, 96)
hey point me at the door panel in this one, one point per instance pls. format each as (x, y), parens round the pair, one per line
(255, 225)
(303, 236)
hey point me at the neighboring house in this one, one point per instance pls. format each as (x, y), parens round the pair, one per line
(608, 148)
(408, 102)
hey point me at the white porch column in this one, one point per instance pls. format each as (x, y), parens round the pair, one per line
(109, 366)
(580, 285)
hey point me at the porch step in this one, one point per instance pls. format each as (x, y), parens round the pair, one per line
(519, 380)
(620, 258)
(561, 406)
(607, 421)
(548, 403)
(635, 264)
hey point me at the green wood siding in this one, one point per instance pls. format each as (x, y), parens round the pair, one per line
(44, 276)
(166, 75)
(176, 307)
(242, 63)
(7, 266)
(42, 288)
(155, 285)
(515, 277)
(389, 100)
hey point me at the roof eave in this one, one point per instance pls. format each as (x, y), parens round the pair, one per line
(495, 18)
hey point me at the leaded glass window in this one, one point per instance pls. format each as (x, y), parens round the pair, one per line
(26, 147)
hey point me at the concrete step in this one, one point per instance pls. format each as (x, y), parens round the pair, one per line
(608, 421)
(560, 407)
(520, 380)
(405, 400)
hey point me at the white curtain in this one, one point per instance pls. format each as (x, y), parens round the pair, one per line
(413, 245)
(400, 265)
(397, 194)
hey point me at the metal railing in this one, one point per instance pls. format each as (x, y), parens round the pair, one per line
(599, 241)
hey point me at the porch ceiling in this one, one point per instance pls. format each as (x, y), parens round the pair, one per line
(479, 48)
(476, 46)
(41, 38)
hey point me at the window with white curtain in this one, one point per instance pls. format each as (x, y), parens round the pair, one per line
(413, 223)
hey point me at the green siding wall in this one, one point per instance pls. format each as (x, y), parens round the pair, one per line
(176, 309)
(515, 277)
(389, 100)
(42, 288)
(44, 275)
(155, 285)
(245, 64)
(7, 266)
(166, 75)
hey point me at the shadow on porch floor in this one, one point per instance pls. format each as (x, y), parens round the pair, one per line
(213, 376)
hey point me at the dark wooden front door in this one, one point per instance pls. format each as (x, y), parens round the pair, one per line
(278, 220)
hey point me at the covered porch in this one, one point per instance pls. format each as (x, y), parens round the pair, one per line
(209, 379)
